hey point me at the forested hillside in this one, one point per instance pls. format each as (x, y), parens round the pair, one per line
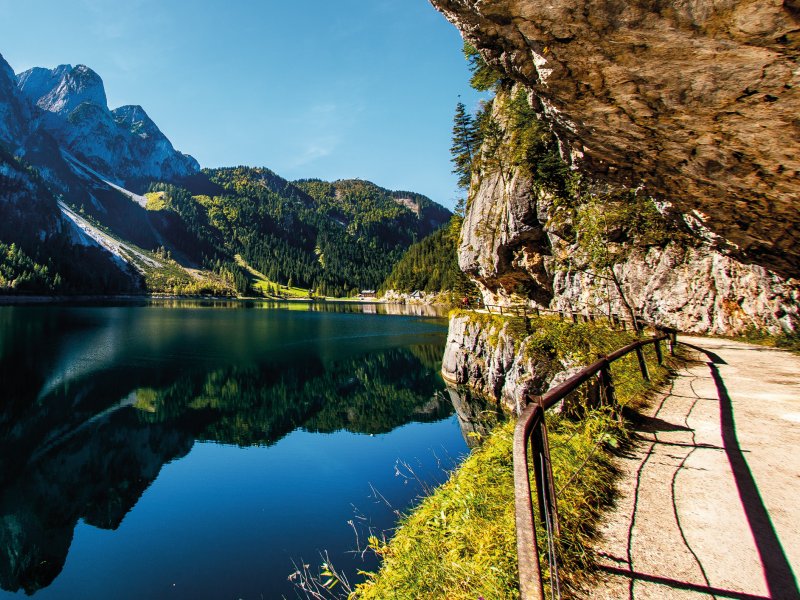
(332, 238)
(431, 265)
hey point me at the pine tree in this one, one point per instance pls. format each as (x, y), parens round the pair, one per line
(465, 140)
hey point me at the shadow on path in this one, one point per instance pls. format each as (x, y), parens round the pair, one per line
(780, 579)
(680, 585)
(715, 358)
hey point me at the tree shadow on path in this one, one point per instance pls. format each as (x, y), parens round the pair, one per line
(778, 573)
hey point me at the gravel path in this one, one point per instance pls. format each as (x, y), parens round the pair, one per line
(710, 496)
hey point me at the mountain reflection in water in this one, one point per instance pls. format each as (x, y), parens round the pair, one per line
(97, 401)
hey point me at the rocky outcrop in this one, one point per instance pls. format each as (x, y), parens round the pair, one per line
(698, 101)
(516, 242)
(508, 245)
(487, 357)
(692, 289)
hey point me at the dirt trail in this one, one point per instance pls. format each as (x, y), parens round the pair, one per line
(710, 496)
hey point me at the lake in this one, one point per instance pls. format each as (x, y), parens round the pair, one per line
(186, 450)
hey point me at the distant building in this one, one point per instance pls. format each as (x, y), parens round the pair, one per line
(416, 295)
(367, 294)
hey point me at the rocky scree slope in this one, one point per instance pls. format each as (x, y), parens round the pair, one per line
(698, 101)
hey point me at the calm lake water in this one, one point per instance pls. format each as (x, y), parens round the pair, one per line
(189, 451)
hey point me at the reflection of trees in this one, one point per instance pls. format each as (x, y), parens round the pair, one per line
(476, 414)
(76, 457)
(377, 395)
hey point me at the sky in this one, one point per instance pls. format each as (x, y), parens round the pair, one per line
(332, 89)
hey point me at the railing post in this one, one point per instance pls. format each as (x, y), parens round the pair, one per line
(608, 384)
(544, 474)
(530, 574)
(659, 353)
(546, 490)
(642, 363)
(673, 341)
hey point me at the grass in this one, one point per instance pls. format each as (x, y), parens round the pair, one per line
(264, 285)
(155, 201)
(459, 543)
(162, 274)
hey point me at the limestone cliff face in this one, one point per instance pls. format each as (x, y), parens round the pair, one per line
(508, 245)
(489, 359)
(698, 101)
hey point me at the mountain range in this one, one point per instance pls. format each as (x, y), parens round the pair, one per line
(95, 200)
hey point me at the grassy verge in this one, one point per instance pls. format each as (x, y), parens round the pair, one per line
(786, 341)
(268, 288)
(460, 543)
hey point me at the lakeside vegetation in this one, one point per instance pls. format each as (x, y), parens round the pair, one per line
(460, 542)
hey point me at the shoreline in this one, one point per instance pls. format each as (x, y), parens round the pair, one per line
(23, 300)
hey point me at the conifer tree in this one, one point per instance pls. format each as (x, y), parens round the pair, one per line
(465, 139)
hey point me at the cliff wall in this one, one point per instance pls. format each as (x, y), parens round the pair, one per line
(698, 101)
(523, 228)
(509, 246)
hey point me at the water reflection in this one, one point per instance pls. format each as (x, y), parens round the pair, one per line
(97, 401)
(367, 308)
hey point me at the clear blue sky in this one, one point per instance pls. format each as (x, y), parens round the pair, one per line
(309, 88)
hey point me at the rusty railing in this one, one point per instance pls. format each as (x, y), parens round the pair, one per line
(532, 432)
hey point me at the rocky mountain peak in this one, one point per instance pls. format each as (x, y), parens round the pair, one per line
(6, 72)
(14, 112)
(133, 118)
(70, 105)
(63, 89)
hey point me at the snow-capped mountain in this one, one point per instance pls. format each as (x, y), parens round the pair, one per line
(82, 154)
(63, 89)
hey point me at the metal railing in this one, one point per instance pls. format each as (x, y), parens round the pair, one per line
(531, 432)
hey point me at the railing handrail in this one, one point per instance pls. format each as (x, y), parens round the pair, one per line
(532, 420)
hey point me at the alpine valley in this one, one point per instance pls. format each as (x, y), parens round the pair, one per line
(98, 201)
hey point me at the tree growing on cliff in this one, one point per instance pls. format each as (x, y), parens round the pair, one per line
(484, 77)
(608, 229)
(465, 145)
